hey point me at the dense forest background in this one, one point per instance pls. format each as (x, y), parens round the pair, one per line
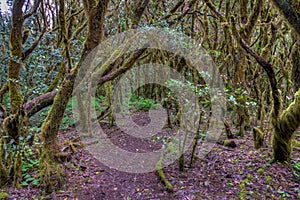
(254, 45)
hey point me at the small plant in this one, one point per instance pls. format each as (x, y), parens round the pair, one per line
(3, 195)
(30, 164)
(261, 171)
(145, 104)
(243, 191)
(141, 103)
(268, 179)
(296, 171)
(67, 122)
(283, 193)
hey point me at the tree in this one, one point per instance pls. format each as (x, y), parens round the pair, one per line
(72, 29)
(95, 12)
(13, 124)
(285, 122)
(288, 121)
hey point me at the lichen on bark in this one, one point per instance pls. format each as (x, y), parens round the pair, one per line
(49, 168)
(284, 127)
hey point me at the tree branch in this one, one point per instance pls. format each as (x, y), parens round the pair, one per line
(138, 12)
(126, 66)
(252, 18)
(32, 47)
(289, 13)
(38, 103)
(34, 9)
(271, 75)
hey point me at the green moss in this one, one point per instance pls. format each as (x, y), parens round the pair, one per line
(3, 174)
(17, 170)
(11, 160)
(296, 6)
(51, 175)
(243, 191)
(258, 137)
(15, 94)
(268, 179)
(57, 78)
(229, 143)
(181, 162)
(261, 171)
(3, 195)
(162, 176)
(50, 172)
(226, 142)
(284, 128)
(108, 91)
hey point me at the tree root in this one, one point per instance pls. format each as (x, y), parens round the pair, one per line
(162, 176)
(51, 174)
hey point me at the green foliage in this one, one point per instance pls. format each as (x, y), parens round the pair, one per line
(243, 191)
(67, 122)
(141, 103)
(37, 119)
(3, 195)
(28, 155)
(145, 104)
(296, 170)
(30, 158)
(283, 193)
(261, 171)
(268, 179)
(98, 103)
(235, 97)
(29, 166)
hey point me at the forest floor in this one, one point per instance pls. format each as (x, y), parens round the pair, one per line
(225, 173)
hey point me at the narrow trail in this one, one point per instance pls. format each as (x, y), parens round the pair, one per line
(225, 173)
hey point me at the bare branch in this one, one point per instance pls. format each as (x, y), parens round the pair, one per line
(34, 9)
(270, 72)
(38, 103)
(32, 47)
(126, 66)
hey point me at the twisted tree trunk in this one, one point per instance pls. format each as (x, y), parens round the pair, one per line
(95, 11)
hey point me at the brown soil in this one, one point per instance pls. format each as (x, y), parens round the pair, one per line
(225, 173)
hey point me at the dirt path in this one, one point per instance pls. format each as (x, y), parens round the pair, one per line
(225, 173)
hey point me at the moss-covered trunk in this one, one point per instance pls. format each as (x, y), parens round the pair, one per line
(296, 62)
(10, 167)
(95, 11)
(284, 127)
(15, 64)
(285, 122)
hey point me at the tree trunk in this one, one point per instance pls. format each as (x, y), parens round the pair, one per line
(95, 11)
(284, 128)
(13, 123)
(296, 62)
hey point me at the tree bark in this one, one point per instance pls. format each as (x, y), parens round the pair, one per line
(13, 123)
(285, 123)
(284, 128)
(291, 15)
(95, 11)
(36, 104)
(296, 62)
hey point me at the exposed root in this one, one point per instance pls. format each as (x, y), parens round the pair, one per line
(162, 176)
(51, 174)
